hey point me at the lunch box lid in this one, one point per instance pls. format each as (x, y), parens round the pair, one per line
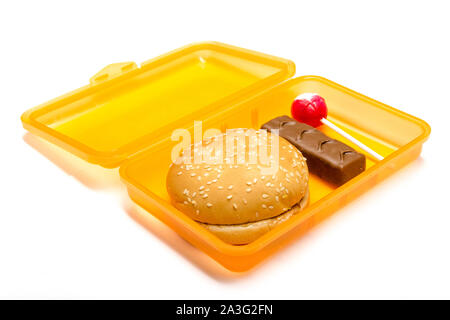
(127, 108)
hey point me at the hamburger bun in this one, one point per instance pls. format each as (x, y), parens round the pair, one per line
(239, 201)
(249, 232)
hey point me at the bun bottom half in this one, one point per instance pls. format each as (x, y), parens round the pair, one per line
(239, 234)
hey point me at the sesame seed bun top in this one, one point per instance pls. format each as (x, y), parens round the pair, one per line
(236, 193)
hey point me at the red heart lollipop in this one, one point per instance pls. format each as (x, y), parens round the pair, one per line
(309, 108)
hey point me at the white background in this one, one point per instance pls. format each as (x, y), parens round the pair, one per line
(65, 235)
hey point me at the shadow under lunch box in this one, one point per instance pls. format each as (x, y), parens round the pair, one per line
(126, 115)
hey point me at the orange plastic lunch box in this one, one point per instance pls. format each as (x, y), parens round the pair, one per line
(125, 116)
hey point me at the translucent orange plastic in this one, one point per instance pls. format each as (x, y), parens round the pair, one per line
(129, 113)
(126, 108)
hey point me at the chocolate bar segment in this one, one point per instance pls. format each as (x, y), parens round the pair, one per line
(327, 158)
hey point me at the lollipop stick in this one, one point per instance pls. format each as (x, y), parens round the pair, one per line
(349, 137)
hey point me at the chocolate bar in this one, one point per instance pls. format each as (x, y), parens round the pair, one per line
(327, 158)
